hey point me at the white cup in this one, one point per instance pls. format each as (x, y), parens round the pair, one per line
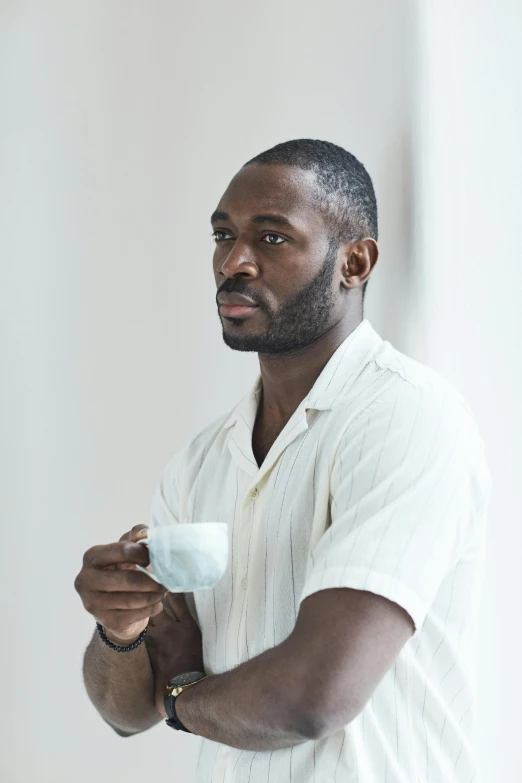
(187, 556)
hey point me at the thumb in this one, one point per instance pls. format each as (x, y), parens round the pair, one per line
(143, 532)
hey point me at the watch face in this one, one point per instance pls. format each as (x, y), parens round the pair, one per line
(186, 678)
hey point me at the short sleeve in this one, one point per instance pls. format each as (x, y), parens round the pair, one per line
(406, 483)
(165, 507)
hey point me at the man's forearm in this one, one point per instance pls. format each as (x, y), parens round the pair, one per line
(121, 686)
(256, 706)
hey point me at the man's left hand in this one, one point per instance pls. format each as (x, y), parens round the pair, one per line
(174, 644)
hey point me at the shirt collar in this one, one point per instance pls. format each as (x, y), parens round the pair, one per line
(333, 382)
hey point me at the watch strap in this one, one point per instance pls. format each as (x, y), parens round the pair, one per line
(173, 720)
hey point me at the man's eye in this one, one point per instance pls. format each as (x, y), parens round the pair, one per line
(221, 238)
(274, 235)
(218, 231)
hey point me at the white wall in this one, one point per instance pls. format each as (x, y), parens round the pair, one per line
(123, 123)
(469, 169)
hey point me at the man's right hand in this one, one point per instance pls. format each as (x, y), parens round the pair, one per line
(115, 592)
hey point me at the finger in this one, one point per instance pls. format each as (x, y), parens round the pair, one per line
(130, 534)
(135, 533)
(143, 532)
(168, 614)
(119, 552)
(111, 581)
(122, 618)
(122, 600)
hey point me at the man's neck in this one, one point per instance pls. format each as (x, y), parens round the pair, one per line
(287, 379)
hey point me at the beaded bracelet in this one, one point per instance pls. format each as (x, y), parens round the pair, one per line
(117, 647)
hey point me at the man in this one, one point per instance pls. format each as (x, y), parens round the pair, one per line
(339, 644)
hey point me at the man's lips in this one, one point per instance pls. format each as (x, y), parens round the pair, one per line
(235, 299)
(235, 311)
(235, 305)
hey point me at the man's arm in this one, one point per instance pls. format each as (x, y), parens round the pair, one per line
(123, 600)
(259, 705)
(121, 686)
(309, 686)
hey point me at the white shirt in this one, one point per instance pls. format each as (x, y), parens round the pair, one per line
(377, 482)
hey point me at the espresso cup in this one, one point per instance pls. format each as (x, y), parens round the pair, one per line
(187, 556)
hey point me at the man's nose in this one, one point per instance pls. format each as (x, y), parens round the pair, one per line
(239, 261)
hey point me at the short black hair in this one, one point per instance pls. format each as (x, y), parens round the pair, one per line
(345, 193)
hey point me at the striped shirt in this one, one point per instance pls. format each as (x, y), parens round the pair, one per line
(377, 482)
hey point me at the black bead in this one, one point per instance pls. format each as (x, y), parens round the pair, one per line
(116, 647)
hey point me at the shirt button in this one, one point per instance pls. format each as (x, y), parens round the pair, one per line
(244, 583)
(254, 493)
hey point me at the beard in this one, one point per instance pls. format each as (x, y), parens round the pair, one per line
(299, 322)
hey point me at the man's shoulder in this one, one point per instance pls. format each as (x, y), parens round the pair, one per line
(181, 470)
(208, 434)
(400, 406)
(395, 388)
(200, 443)
(433, 391)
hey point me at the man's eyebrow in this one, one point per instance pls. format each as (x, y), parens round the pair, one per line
(271, 217)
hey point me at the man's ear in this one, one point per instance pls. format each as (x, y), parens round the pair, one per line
(359, 261)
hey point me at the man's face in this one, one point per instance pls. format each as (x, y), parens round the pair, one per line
(289, 271)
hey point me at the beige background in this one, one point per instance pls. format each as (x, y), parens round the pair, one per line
(122, 124)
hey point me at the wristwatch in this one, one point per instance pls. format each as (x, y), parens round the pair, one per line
(175, 686)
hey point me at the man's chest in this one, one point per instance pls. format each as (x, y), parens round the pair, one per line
(264, 435)
(274, 525)
(275, 517)
(274, 471)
